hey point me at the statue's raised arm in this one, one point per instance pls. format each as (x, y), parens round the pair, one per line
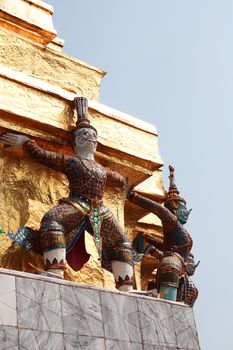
(13, 140)
(115, 179)
(53, 160)
(173, 216)
(167, 218)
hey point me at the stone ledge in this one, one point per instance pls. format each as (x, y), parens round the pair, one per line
(132, 148)
(46, 64)
(58, 92)
(31, 19)
(40, 313)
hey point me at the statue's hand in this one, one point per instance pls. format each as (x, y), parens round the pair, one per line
(13, 140)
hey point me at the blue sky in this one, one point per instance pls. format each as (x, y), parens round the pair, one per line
(170, 62)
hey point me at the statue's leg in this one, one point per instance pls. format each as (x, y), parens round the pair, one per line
(170, 268)
(55, 224)
(123, 274)
(119, 252)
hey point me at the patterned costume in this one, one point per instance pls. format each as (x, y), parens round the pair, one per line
(175, 237)
(187, 291)
(63, 226)
(175, 247)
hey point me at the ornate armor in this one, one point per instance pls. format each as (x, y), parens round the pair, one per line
(63, 226)
(175, 237)
(187, 291)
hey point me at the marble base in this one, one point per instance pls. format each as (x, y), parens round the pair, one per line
(43, 313)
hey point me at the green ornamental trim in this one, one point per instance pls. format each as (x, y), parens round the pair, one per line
(2, 231)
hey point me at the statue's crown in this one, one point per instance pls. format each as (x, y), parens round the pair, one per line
(173, 193)
(81, 106)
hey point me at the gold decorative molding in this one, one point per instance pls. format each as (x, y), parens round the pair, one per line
(49, 65)
(29, 18)
(40, 109)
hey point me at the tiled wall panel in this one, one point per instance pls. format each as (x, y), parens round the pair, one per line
(48, 314)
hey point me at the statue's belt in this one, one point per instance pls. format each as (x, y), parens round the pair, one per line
(87, 206)
(96, 215)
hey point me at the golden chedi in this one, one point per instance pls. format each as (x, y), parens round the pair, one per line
(39, 84)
